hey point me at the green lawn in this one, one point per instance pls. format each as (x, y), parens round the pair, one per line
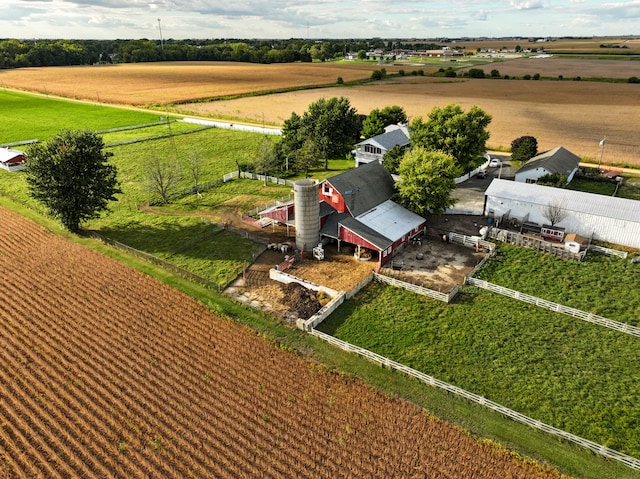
(576, 376)
(34, 116)
(605, 285)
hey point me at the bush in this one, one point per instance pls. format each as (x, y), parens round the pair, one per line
(421, 72)
(414, 73)
(450, 73)
(633, 80)
(339, 81)
(536, 76)
(376, 75)
(527, 77)
(476, 73)
(401, 73)
(495, 73)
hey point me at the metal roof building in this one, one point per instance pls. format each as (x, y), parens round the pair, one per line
(609, 219)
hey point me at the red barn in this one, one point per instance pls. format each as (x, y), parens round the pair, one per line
(11, 160)
(363, 213)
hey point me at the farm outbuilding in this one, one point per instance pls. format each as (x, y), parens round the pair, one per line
(559, 160)
(608, 219)
(12, 160)
(364, 215)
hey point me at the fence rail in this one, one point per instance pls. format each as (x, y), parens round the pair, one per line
(558, 308)
(537, 244)
(609, 251)
(471, 241)
(599, 449)
(445, 297)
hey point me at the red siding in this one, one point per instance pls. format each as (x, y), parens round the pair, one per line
(281, 214)
(329, 194)
(350, 237)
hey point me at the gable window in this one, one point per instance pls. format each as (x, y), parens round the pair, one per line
(326, 189)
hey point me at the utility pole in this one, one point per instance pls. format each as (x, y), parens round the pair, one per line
(161, 40)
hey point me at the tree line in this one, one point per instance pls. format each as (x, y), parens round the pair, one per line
(36, 53)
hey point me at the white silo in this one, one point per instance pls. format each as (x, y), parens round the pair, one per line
(307, 210)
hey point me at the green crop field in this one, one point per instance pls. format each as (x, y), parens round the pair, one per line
(38, 117)
(573, 375)
(605, 285)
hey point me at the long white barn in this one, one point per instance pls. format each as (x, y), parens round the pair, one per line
(610, 219)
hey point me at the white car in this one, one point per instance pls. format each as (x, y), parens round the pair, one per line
(494, 163)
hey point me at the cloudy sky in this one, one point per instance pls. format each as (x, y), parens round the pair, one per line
(179, 19)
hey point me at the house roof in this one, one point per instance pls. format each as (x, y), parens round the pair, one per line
(390, 220)
(364, 187)
(398, 136)
(7, 154)
(558, 160)
(578, 201)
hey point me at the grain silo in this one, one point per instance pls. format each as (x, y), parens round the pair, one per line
(307, 210)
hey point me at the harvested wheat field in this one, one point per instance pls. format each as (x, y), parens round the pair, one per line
(576, 115)
(105, 372)
(161, 83)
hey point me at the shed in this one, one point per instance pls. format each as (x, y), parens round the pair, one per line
(609, 219)
(558, 160)
(12, 160)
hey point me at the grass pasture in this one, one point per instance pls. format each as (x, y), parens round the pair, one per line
(603, 285)
(565, 372)
(27, 116)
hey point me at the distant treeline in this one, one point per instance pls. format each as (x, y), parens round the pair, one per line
(26, 53)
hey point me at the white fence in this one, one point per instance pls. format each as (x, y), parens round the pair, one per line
(558, 308)
(472, 242)
(322, 314)
(629, 461)
(609, 251)
(445, 297)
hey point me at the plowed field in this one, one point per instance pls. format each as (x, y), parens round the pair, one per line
(105, 372)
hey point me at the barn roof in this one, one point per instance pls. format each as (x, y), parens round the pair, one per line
(578, 201)
(399, 136)
(391, 220)
(558, 160)
(364, 187)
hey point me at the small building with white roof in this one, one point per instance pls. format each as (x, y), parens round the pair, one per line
(12, 160)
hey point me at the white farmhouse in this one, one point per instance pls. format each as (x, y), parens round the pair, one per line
(609, 219)
(373, 149)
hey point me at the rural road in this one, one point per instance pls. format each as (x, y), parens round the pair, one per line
(234, 126)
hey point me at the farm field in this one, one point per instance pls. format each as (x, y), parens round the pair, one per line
(603, 285)
(161, 83)
(570, 374)
(568, 68)
(107, 372)
(576, 115)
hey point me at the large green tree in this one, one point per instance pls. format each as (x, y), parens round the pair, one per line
(332, 124)
(71, 176)
(377, 120)
(461, 134)
(427, 180)
(523, 149)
